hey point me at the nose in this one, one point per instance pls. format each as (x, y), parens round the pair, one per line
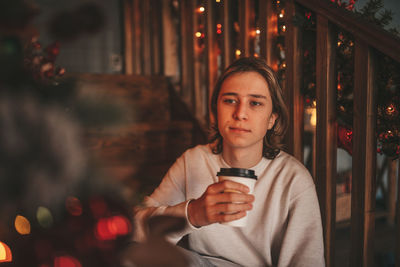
(240, 112)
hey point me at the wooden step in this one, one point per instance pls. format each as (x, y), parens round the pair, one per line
(139, 154)
(145, 98)
(140, 142)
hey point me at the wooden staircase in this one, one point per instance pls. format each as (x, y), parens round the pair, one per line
(157, 128)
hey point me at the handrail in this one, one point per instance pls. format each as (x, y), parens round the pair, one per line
(366, 31)
(197, 73)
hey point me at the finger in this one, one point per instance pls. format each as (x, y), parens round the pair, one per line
(233, 207)
(230, 217)
(233, 198)
(224, 185)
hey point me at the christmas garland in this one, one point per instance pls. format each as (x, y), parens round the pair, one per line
(388, 75)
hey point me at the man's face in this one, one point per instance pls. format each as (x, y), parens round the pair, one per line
(244, 110)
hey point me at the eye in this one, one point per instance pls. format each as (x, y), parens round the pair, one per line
(229, 101)
(255, 103)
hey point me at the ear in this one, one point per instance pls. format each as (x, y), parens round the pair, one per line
(272, 120)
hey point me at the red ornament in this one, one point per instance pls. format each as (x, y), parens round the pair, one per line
(345, 138)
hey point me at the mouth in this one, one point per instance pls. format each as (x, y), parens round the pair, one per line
(239, 130)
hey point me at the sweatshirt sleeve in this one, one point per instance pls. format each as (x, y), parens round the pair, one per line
(302, 243)
(169, 198)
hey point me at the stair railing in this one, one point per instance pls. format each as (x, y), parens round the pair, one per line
(145, 53)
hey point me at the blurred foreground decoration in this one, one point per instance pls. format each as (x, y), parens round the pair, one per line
(55, 208)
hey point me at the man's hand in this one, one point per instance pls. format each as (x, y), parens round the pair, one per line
(221, 202)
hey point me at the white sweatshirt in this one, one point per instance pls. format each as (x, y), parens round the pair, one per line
(284, 227)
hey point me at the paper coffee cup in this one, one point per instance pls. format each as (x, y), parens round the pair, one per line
(242, 176)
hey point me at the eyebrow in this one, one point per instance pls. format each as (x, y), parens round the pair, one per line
(252, 95)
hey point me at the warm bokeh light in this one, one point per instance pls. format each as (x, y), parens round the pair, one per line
(66, 261)
(218, 1)
(238, 52)
(73, 206)
(119, 225)
(112, 227)
(313, 119)
(22, 225)
(198, 34)
(44, 217)
(201, 9)
(5, 253)
(258, 31)
(284, 28)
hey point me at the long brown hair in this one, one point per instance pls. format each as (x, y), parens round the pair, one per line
(273, 138)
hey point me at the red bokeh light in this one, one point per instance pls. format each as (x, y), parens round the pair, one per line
(66, 261)
(112, 227)
(73, 206)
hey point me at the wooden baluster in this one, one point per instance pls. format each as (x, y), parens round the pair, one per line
(245, 16)
(227, 33)
(199, 74)
(364, 158)
(156, 37)
(294, 98)
(268, 24)
(211, 52)
(136, 36)
(391, 192)
(187, 52)
(397, 250)
(326, 132)
(128, 39)
(146, 40)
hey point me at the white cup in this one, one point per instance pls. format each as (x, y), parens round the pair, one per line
(242, 176)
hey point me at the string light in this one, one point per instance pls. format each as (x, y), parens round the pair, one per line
(198, 34)
(44, 217)
(258, 31)
(201, 9)
(238, 52)
(219, 28)
(22, 225)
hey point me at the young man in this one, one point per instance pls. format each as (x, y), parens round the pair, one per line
(284, 224)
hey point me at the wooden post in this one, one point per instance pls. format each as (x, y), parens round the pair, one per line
(294, 98)
(364, 158)
(268, 24)
(146, 41)
(187, 52)
(326, 133)
(245, 14)
(397, 251)
(137, 40)
(227, 52)
(392, 186)
(211, 47)
(128, 46)
(156, 37)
